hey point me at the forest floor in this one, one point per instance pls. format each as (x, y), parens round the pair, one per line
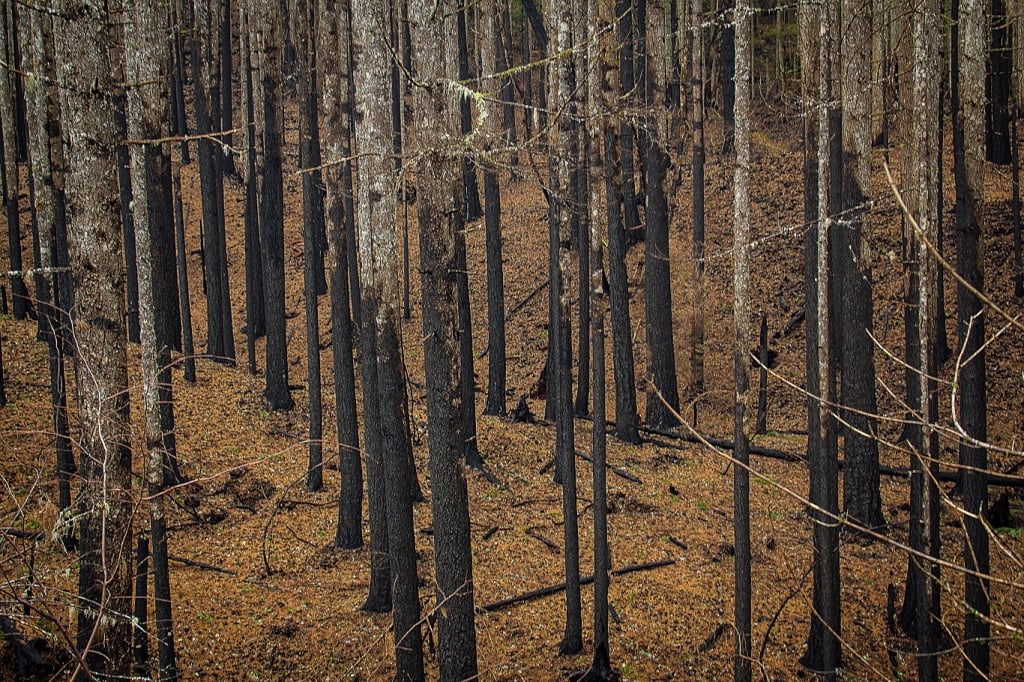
(282, 604)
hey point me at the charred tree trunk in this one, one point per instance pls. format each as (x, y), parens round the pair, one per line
(442, 271)
(105, 493)
(332, 57)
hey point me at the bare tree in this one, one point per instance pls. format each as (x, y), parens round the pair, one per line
(381, 307)
(332, 46)
(969, 167)
(83, 33)
(147, 101)
(439, 219)
(741, 353)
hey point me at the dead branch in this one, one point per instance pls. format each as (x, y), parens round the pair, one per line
(200, 564)
(555, 589)
(614, 469)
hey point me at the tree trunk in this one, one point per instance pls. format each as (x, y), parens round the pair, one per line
(9, 148)
(741, 352)
(378, 241)
(823, 653)
(602, 88)
(220, 343)
(626, 11)
(270, 128)
(559, 374)
(662, 390)
(491, 47)
(312, 214)
(969, 165)
(470, 190)
(150, 171)
(105, 492)
(862, 499)
(697, 104)
(442, 277)
(332, 57)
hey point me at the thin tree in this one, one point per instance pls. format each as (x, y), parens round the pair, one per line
(626, 11)
(697, 165)
(268, 21)
(312, 214)
(147, 101)
(559, 374)
(255, 311)
(616, 179)
(333, 74)
(83, 33)
(741, 353)
(969, 167)
(491, 48)
(602, 88)
(378, 241)
(728, 74)
(9, 142)
(662, 382)
(203, 41)
(439, 216)
(470, 188)
(823, 652)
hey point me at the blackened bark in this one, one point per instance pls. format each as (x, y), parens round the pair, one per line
(270, 124)
(220, 344)
(662, 391)
(508, 94)
(311, 206)
(187, 346)
(332, 77)
(9, 148)
(226, 106)
(468, 376)
(998, 86)
(625, 10)
(124, 182)
(969, 167)
(697, 170)
(255, 311)
(445, 333)
(862, 500)
(491, 48)
(559, 374)
(470, 190)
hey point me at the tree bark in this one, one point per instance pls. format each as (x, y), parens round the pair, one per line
(105, 493)
(971, 398)
(378, 241)
(20, 303)
(332, 57)
(741, 352)
(443, 334)
(662, 390)
(150, 165)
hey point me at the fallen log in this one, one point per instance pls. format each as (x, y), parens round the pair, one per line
(555, 589)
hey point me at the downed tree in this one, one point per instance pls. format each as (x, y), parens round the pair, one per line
(555, 589)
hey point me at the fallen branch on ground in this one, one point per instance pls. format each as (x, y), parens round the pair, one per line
(555, 589)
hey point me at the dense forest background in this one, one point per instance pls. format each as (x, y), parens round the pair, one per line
(606, 339)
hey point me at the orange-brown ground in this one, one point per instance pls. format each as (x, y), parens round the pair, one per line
(301, 620)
